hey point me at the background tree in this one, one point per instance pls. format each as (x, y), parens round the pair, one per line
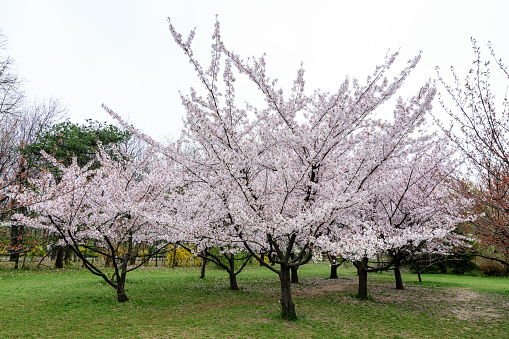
(479, 129)
(20, 123)
(67, 140)
(232, 260)
(11, 91)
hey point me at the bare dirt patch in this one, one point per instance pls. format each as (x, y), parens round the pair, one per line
(472, 305)
(319, 286)
(461, 303)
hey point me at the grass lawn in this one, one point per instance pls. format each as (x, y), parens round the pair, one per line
(166, 303)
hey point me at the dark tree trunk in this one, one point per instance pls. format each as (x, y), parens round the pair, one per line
(363, 278)
(132, 260)
(334, 271)
(16, 261)
(231, 272)
(419, 272)
(54, 251)
(174, 263)
(397, 275)
(233, 281)
(202, 271)
(15, 234)
(294, 275)
(293, 271)
(334, 266)
(59, 261)
(24, 259)
(262, 258)
(203, 264)
(121, 296)
(287, 305)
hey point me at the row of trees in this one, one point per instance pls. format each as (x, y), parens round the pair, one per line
(303, 176)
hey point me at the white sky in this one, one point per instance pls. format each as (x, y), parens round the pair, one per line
(121, 52)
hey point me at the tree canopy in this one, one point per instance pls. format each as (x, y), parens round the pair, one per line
(67, 140)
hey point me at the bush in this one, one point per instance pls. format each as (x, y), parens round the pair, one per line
(493, 269)
(181, 257)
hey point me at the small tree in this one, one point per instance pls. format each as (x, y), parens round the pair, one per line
(232, 260)
(110, 210)
(412, 209)
(65, 141)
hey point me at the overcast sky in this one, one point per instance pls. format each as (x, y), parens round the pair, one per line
(121, 52)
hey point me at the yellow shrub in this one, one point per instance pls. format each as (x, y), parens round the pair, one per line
(182, 257)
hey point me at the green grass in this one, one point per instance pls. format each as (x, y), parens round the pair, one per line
(167, 303)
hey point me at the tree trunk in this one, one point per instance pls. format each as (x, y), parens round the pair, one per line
(122, 297)
(294, 275)
(16, 261)
(59, 261)
(334, 271)
(174, 262)
(132, 260)
(24, 259)
(397, 275)
(14, 243)
(53, 253)
(233, 281)
(16, 232)
(363, 278)
(287, 305)
(203, 264)
(262, 258)
(418, 269)
(231, 272)
(293, 271)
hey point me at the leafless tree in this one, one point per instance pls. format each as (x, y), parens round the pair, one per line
(20, 124)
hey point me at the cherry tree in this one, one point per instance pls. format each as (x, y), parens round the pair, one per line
(479, 129)
(110, 210)
(425, 209)
(277, 179)
(412, 210)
